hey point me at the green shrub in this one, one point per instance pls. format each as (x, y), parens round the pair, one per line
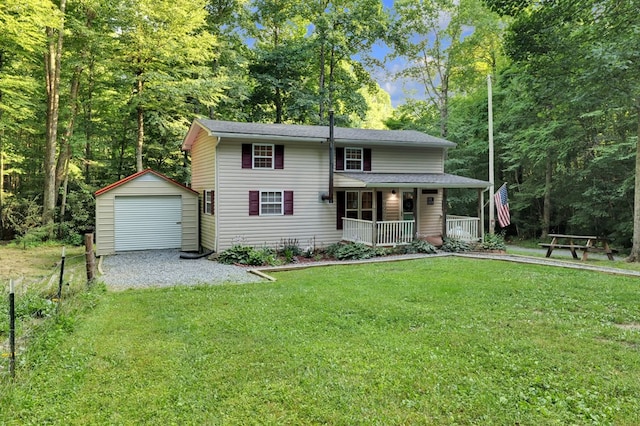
(355, 251)
(289, 249)
(493, 242)
(455, 245)
(420, 246)
(332, 249)
(246, 255)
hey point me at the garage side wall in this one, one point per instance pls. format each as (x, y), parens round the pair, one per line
(145, 185)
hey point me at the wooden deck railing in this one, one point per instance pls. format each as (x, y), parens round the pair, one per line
(463, 227)
(386, 233)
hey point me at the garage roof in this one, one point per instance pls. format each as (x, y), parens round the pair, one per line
(137, 175)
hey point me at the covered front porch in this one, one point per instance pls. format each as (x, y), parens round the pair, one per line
(384, 209)
(398, 232)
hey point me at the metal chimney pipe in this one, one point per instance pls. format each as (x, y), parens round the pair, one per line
(329, 197)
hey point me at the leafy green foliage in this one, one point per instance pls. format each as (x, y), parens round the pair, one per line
(420, 246)
(493, 242)
(290, 248)
(455, 245)
(355, 251)
(246, 255)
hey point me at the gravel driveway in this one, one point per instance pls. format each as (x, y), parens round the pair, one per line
(162, 268)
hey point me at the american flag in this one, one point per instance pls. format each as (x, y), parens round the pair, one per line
(502, 205)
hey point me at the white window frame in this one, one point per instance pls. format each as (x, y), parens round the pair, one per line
(208, 201)
(281, 213)
(255, 157)
(347, 160)
(359, 209)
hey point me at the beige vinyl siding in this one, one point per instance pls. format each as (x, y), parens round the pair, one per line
(406, 160)
(203, 176)
(391, 205)
(429, 216)
(145, 185)
(305, 173)
(105, 225)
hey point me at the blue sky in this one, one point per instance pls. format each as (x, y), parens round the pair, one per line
(398, 90)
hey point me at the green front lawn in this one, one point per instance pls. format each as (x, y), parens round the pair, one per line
(433, 341)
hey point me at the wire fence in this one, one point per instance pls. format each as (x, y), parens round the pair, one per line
(33, 300)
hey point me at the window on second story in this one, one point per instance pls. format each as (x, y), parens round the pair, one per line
(262, 156)
(353, 159)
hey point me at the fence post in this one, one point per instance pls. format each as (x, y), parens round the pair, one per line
(12, 331)
(90, 258)
(61, 275)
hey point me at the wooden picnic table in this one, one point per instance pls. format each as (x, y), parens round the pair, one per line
(586, 243)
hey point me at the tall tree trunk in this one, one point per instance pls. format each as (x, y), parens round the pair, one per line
(52, 68)
(64, 157)
(635, 249)
(88, 128)
(321, 82)
(546, 206)
(140, 113)
(444, 107)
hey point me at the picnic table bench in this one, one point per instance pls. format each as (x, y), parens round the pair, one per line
(585, 243)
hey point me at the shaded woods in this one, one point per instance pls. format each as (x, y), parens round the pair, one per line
(92, 92)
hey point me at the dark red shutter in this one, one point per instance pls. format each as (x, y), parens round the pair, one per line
(341, 208)
(366, 164)
(213, 202)
(254, 203)
(379, 206)
(339, 158)
(204, 201)
(288, 202)
(247, 154)
(279, 151)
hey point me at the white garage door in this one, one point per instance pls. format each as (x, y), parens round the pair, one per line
(145, 223)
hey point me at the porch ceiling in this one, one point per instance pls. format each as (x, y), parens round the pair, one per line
(407, 180)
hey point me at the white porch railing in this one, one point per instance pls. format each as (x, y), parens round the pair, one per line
(357, 231)
(385, 233)
(391, 232)
(463, 227)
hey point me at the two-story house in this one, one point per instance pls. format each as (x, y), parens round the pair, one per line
(260, 184)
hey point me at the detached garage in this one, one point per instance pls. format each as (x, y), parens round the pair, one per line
(146, 211)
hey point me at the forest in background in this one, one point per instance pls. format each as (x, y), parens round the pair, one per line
(92, 91)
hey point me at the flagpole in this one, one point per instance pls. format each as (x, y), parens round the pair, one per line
(492, 221)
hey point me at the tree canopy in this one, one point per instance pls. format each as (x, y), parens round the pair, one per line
(92, 91)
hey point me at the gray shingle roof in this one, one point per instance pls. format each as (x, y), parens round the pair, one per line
(422, 180)
(321, 133)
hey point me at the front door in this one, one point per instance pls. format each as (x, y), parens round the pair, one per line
(408, 211)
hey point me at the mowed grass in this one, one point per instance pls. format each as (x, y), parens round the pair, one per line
(433, 341)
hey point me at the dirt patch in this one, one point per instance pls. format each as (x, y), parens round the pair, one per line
(633, 326)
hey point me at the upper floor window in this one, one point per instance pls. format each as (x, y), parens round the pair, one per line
(353, 159)
(262, 156)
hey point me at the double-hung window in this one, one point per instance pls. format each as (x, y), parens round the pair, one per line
(353, 159)
(271, 203)
(208, 201)
(263, 156)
